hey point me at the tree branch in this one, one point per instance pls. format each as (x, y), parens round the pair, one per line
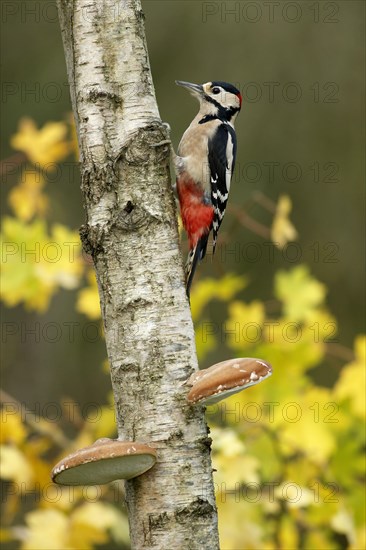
(131, 232)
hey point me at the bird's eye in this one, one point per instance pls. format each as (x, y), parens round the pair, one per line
(215, 90)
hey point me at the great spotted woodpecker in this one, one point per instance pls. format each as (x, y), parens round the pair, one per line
(204, 165)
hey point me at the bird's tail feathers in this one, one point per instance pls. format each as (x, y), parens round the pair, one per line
(195, 255)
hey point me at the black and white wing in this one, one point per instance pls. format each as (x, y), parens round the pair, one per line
(221, 157)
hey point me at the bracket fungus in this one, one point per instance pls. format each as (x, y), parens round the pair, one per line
(104, 461)
(226, 378)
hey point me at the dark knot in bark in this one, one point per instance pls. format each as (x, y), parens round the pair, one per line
(131, 217)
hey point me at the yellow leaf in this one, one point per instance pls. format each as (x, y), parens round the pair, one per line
(226, 442)
(35, 264)
(212, 289)
(352, 381)
(294, 494)
(360, 541)
(14, 466)
(84, 438)
(205, 335)
(26, 199)
(40, 468)
(293, 345)
(244, 326)
(288, 534)
(230, 460)
(282, 230)
(232, 471)
(299, 292)
(86, 536)
(60, 497)
(106, 368)
(91, 522)
(88, 298)
(302, 472)
(360, 348)
(318, 540)
(98, 514)
(6, 535)
(61, 262)
(343, 522)
(240, 525)
(47, 530)
(45, 146)
(12, 429)
(105, 425)
(321, 325)
(307, 423)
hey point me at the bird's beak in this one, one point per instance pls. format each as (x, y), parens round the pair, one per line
(195, 89)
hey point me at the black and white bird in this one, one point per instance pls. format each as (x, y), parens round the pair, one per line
(205, 164)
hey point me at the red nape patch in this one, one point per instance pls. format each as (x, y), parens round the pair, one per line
(197, 217)
(240, 98)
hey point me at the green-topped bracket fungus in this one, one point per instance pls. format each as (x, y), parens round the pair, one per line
(104, 461)
(211, 385)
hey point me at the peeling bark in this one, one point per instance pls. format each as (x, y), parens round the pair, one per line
(131, 232)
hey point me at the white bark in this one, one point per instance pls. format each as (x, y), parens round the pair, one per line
(131, 232)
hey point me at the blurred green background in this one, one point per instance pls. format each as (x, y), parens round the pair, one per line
(300, 68)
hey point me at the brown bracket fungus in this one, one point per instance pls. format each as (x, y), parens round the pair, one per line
(226, 378)
(104, 461)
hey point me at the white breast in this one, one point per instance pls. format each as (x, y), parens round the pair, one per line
(193, 151)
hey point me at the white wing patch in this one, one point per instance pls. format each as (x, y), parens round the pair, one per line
(224, 197)
(230, 158)
(217, 194)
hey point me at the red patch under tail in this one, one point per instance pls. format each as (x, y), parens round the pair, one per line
(197, 216)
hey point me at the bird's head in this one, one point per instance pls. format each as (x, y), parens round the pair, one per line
(216, 98)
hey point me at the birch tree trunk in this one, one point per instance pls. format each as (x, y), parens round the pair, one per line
(131, 232)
